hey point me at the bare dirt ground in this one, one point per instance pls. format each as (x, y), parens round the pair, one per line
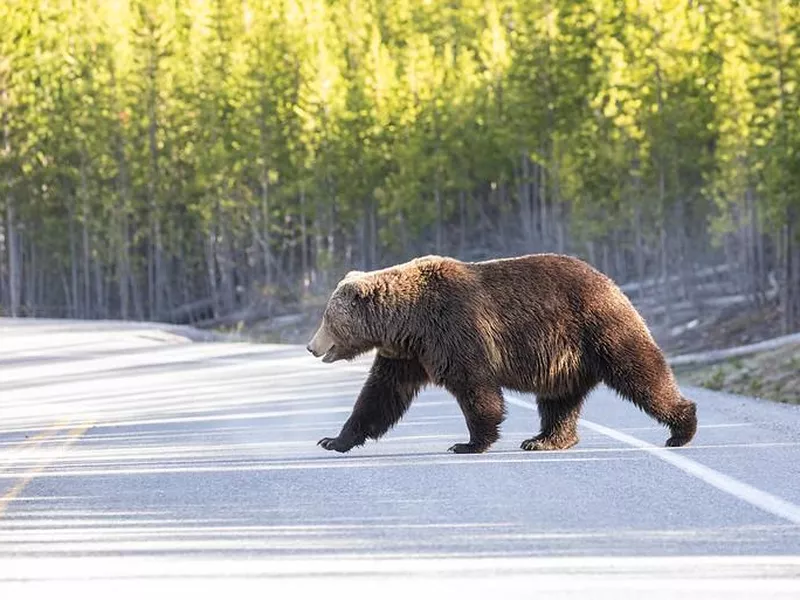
(734, 326)
(771, 374)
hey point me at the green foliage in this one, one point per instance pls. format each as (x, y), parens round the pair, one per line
(220, 144)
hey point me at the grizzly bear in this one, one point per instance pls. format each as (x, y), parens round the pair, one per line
(545, 324)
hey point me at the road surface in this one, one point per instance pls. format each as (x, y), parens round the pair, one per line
(134, 460)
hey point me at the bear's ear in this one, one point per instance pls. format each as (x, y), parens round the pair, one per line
(356, 293)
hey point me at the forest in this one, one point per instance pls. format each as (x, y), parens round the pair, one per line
(182, 160)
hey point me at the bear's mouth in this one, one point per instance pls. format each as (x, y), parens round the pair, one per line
(330, 355)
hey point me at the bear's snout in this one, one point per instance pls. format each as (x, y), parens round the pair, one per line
(321, 344)
(315, 351)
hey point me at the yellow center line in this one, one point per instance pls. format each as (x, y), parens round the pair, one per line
(72, 436)
(32, 441)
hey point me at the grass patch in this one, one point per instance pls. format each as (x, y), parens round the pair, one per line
(772, 375)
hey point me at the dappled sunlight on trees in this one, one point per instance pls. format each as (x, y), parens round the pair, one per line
(157, 155)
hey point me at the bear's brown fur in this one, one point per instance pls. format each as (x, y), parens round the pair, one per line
(545, 324)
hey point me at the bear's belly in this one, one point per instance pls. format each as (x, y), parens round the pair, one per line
(553, 373)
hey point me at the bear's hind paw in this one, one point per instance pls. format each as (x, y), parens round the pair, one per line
(544, 443)
(676, 441)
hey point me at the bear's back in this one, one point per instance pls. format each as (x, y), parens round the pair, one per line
(543, 309)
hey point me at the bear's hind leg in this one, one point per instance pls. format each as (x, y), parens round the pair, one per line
(484, 411)
(650, 385)
(559, 422)
(669, 408)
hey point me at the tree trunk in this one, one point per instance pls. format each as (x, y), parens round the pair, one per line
(159, 274)
(4, 299)
(666, 289)
(87, 279)
(795, 249)
(439, 213)
(502, 239)
(30, 278)
(101, 307)
(168, 272)
(331, 245)
(526, 208)
(6, 284)
(151, 267)
(374, 237)
(136, 291)
(620, 272)
(369, 235)
(225, 264)
(535, 199)
(404, 243)
(211, 270)
(230, 266)
(666, 295)
(266, 240)
(319, 260)
(684, 266)
(606, 258)
(558, 209)
(757, 251)
(65, 285)
(75, 310)
(13, 259)
(791, 283)
(544, 224)
(41, 296)
(303, 241)
(763, 267)
(637, 220)
(124, 267)
(129, 296)
(462, 222)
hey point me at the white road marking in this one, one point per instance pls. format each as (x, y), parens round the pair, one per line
(657, 578)
(738, 489)
(712, 426)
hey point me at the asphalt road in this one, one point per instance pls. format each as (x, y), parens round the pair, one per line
(135, 461)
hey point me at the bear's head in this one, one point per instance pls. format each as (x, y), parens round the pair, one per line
(344, 332)
(364, 312)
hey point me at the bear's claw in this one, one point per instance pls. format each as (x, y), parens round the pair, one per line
(676, 441)
(464, 449)
(334, 444)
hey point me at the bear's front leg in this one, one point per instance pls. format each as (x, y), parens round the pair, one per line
(388, 392)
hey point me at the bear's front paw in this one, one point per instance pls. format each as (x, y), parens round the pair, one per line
(465, 449)
(336, 443)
